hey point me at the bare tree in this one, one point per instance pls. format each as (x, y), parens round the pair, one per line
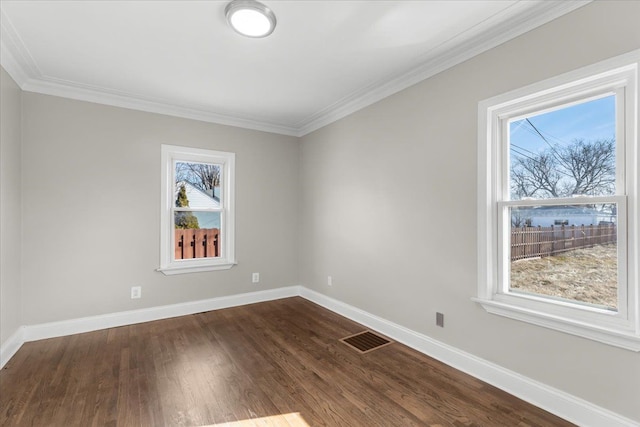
(580, 168)
(519, 219)
(592, 167)
(203, 176)
(535, 176)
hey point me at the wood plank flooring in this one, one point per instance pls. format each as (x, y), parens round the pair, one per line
(276, 363)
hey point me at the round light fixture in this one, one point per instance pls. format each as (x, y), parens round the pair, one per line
(250, 18)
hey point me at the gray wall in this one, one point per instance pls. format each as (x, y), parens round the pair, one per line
(389, 208)
(10, 208)
(91, 209)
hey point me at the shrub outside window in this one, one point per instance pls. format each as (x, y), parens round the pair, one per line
(197, 219)
(558, 203)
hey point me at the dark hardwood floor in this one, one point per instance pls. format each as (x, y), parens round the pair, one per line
(277, 363)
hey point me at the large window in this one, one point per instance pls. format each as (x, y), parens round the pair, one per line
(558, 203)
(197, 217)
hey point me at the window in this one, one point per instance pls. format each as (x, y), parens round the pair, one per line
(558, 205)
(197, 219)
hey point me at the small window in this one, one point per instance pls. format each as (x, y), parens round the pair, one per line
(197, 218)
(558, 203)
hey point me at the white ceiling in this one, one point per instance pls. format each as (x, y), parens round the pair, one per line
(326, 59)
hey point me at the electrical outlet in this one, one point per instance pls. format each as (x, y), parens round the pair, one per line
(255, 277)
(440, 320)
(329, 281)
(136, 292)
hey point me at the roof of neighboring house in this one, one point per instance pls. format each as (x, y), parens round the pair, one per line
(198, 199)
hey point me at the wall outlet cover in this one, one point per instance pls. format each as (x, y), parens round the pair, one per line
(440, 319)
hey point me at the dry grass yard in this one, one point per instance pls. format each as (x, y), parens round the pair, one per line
(587, 275)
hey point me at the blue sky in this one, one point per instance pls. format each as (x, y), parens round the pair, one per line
(589, 120)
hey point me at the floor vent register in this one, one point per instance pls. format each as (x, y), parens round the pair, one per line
(366, 341)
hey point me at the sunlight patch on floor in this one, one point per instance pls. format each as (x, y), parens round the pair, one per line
(293, 419)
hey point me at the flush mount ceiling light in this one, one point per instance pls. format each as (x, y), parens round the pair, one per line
(250, 18)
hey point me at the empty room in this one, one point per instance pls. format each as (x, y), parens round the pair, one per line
(320, 213)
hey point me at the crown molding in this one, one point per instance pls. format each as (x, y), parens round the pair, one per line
(16, 59)
(9, 63)
(449, 54)
(18, 62)
(98, 95)
(19, 68)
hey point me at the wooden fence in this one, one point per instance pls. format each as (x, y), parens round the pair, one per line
(533, 242)
(196, 243)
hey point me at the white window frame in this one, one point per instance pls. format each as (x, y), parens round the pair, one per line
(170, 155)
(618, 75)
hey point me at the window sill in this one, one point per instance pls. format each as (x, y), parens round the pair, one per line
(604, 334)
(170, 271)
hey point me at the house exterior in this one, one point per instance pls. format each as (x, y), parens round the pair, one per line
(547, 216)
(199, 199)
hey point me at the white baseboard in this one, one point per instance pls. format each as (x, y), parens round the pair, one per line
(94, 323)
(11, 346)
(564, 405)
(112, 320)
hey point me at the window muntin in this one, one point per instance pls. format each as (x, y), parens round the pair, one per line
(197, 220)
(498, 207)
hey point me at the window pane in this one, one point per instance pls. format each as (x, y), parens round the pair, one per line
(563, 153)
(197, 185)
(197, 235)
(576, 260)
